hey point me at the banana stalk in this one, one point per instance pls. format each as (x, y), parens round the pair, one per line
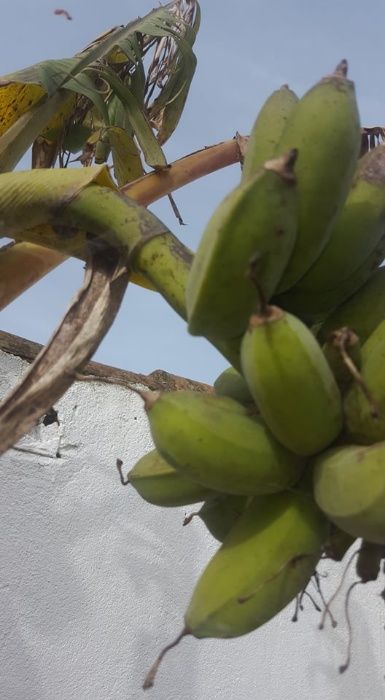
(21, 273)
(365, 420)
(342, 350)
(59, 206)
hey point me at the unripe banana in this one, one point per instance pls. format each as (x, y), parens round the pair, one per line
(349, 487)
(231, 383)
(291, 382)
(213, 441)
(365, 420)
(358, 228)
(160, 484)
(264, 562)
(324, 126)
(256, 222)
(343, 353)
(220, 514)
(362, 312)
(313, 307)
(267, 130)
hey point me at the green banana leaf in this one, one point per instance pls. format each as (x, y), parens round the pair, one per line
(125, 156)
(152, 152)
(112, 64)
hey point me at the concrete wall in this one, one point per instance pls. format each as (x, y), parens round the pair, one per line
(94, 581)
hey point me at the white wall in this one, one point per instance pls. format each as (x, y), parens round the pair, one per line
(94, 581)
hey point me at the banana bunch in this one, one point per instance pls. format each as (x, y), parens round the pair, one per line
(297, 174)
(287, 453)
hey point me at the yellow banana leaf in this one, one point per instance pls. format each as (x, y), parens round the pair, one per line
(16, 140)
(15, 100)
(37, 87)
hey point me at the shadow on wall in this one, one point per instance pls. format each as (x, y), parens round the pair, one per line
(367, 682)
(90, 571)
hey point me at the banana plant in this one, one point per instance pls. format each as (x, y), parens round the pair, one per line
(105, 86)
(102, 101)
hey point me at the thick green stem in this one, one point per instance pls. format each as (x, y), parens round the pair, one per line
(19, 137)
(151, 187)
(108, 215)
(97, 216)
(166, 262)
(78, 226)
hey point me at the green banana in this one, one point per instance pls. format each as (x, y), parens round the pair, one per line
(231, 383)
(267, 130)
(256, 222)
(349, 487)
(343, 353)
(313, 307)
(264, 562)
(213, 441)
(324, 126)
(220, 513)
(365, 419)
(160, 484)
(357, 231)
(291, 382)
(362, 312)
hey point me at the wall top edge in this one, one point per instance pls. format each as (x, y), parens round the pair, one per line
(158, 380)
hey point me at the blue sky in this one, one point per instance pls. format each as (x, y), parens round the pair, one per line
(245, 50)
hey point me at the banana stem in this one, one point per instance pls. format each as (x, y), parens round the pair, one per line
(166, 262)
(26, 264)
(95, 216)
(341, 341)
(155, 185)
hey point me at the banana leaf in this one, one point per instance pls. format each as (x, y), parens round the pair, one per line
(36, 88)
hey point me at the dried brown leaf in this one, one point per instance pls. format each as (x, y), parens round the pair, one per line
(242, 142)
(88, 319)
